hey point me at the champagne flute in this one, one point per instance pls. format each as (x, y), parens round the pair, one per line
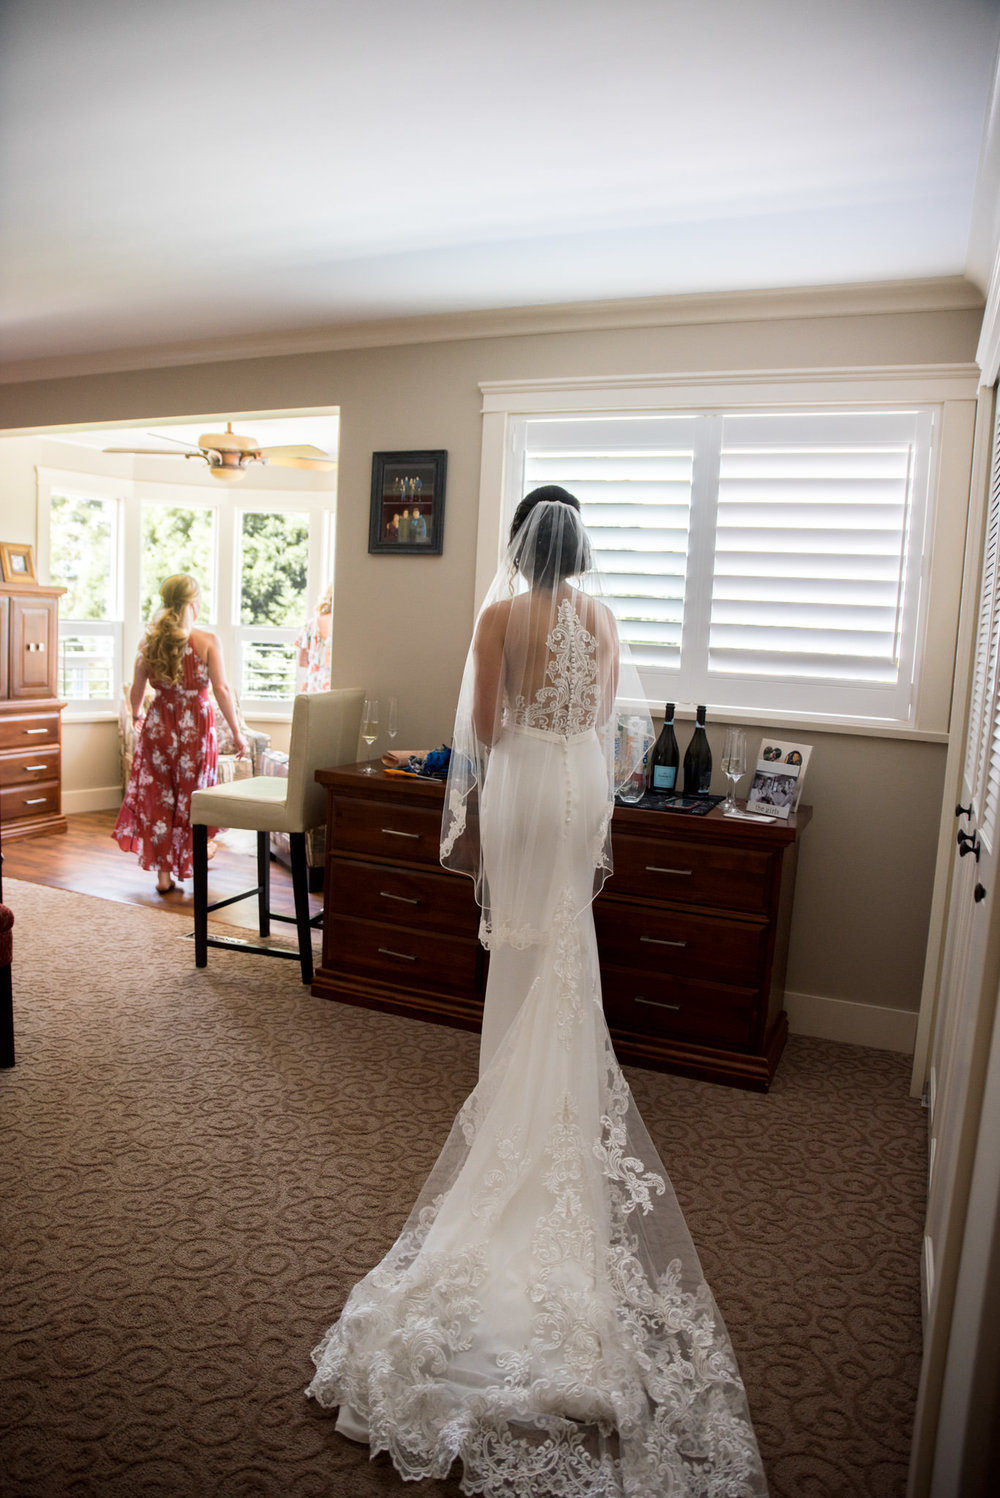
(734, 765)
(392, 722)
(369, 728)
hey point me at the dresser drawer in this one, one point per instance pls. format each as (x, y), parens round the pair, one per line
(695, 873)
(402, 897)
(29, 801)
(29, 765)
(674, 1008)
(28, 730)
(387, 829)
(697, 946)
(396, 954)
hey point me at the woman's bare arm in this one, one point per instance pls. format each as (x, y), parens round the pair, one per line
(487, 648)
(210, 651)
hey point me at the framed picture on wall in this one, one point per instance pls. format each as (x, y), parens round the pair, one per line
(16, 563)
(407, 504)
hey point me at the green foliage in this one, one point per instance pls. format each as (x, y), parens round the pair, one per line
(176, 540)
(275, 569)
(82, 538)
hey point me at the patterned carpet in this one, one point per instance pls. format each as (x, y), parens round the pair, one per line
(196, 1166)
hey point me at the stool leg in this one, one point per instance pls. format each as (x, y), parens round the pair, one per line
(264, 883)
(199, 839)
(300, 889)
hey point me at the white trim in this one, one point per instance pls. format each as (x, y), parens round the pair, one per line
(928, 383)
(100, 798)
(931, 294)
(871, 1025)
(988, 352)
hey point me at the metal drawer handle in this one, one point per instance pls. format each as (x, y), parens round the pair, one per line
(36, 801)
(651, 868)
(403, 899)
(388, 952)
(36, 767)
(654, 1003)
(36, 730)
(34, 645)
(391, 832)
(661, 941)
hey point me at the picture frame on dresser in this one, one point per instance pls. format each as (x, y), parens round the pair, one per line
(17, 563)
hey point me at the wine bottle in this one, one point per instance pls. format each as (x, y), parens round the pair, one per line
(698, 760)
(665, 758)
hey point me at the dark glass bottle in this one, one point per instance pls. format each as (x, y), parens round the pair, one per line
(665, 757)
(698, 760)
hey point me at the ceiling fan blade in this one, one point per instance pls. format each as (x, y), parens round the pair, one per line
(156, 452)
(299, 456)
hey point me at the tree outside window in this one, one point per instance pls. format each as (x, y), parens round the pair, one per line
(274, 600)
(176, 539)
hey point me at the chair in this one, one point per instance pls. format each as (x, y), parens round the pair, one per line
(325, 729)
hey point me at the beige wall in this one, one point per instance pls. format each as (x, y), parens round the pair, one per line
(403, 624)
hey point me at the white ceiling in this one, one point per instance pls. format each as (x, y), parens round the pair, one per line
(239, 168)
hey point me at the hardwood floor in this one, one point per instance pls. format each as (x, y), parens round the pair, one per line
(85, 859)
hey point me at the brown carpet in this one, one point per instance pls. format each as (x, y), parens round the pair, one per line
(196, 1166)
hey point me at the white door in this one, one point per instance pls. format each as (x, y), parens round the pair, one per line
(961, 1051)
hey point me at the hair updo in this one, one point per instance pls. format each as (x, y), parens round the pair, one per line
(162, 649)
(547, 538)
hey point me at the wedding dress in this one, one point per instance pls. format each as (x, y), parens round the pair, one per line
(543, 1317)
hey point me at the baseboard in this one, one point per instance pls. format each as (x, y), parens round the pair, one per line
(852, 1024)
(101, 798)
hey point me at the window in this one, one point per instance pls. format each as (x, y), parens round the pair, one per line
(273, 601)
(261, 565)
(786, 547)
(84, 536)
(178, 538)
(762, 561)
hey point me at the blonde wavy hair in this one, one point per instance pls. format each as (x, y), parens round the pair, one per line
(162, 649)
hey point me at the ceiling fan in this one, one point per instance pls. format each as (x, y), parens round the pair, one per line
(228, 455)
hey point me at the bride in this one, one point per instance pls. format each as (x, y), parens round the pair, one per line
(543, 1317)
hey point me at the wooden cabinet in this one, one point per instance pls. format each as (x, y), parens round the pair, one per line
(30, 712)
(692, 927)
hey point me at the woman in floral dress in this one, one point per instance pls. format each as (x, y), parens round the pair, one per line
(313, 645)
(176, 751)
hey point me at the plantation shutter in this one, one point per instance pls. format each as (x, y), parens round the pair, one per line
(633, 477)
(765, 560)
(817, 555)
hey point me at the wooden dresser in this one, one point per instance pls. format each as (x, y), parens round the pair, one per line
(30, 712)
(692, 927)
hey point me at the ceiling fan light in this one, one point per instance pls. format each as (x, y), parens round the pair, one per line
(228, 475)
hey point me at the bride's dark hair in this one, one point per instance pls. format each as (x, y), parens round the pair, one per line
(555, 546)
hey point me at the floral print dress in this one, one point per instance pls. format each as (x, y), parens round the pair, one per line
(176, 754)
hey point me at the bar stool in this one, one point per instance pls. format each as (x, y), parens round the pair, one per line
(325, 729)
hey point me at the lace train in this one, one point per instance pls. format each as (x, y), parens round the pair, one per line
(543, 1317)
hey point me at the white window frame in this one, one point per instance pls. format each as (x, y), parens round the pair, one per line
(96, 486)
(948, 391)
(132, 494)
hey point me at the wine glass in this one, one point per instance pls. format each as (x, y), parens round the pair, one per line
(734, 765)
(369, 728)
(392, 721)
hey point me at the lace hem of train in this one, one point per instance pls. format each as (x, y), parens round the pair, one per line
(621, 1386)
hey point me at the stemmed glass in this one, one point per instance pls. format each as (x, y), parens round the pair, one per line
(369, 728)
(734, 765)
(392, 722)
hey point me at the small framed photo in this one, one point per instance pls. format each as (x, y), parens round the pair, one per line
(16, 563)
(407, 505)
